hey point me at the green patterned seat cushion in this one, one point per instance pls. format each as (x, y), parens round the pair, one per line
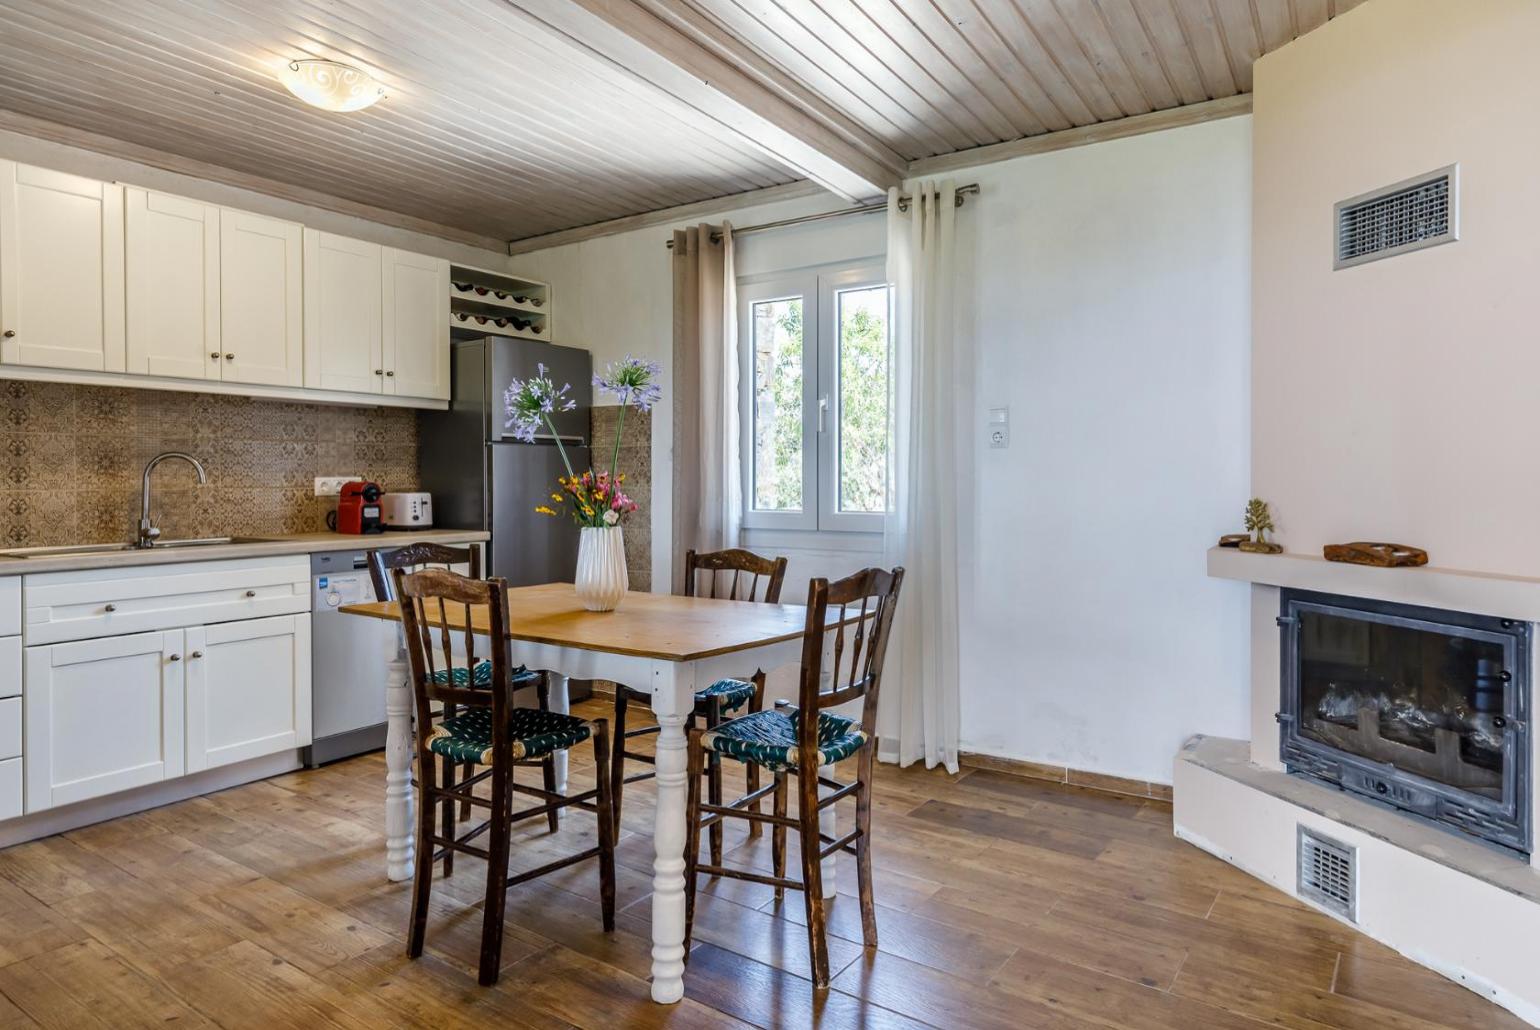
(468, 737)
(770, 738)
(481, 675)
(731, 695)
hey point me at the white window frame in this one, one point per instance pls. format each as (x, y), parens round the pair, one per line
(819, 289)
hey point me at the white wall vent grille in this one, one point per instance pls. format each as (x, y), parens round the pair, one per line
(1328, 873)
(1410, 215)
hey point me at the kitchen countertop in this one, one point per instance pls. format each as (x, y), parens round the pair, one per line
(260, 546)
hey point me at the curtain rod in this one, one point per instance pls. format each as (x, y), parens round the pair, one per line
(864, 209)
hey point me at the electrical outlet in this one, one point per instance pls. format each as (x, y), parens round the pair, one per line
(331, 486)
(999, 428)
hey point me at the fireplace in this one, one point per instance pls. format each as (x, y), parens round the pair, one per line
(1421, 709)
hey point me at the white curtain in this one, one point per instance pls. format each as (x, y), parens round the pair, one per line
(708, 506)
(933, 369)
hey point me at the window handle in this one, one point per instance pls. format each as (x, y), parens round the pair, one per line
(823, 410)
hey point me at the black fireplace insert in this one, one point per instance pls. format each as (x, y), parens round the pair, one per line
(1421, 709)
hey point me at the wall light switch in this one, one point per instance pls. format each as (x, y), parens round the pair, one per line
(331, 486)
(999, 427)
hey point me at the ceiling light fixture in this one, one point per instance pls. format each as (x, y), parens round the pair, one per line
(330, 85)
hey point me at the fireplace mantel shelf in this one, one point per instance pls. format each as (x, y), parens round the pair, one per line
(1481, 593)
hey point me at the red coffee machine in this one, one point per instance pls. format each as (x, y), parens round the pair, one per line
(358, 508)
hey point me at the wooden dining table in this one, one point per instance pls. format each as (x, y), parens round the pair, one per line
(658, 643)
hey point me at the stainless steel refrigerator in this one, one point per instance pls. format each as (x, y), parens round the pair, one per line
(481, 477)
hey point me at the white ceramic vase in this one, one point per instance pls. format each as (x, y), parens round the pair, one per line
(601, 568)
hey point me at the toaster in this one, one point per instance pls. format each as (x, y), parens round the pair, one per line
(407, 511)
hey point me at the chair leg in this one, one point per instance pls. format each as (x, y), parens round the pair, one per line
(692, 830)
(864, 847)
(447, 813)
(751, 772)
(548, 769)
(714, 786)
(497, 875)
(606, 817)
(618, 756)
(422, 880)
(812, 873)
(778, 833)
(469, 768)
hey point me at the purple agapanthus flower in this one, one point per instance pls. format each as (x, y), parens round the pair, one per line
(530, 403)
(633, 381)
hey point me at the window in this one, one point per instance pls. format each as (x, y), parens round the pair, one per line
(817, 356)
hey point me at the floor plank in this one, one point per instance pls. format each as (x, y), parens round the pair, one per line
(1003, 902)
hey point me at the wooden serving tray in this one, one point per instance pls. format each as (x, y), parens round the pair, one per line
(1364, 552)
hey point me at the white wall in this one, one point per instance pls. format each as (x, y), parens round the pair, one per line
(1394, 400)
(1110, 286)
(1113, 313)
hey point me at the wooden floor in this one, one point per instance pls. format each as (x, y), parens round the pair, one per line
(1004, 902)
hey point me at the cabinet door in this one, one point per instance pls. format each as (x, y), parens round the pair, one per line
(102, 716)
(343, 310)
(261, 289)
(172, 249)
(248, 690)
(61, 270)
(416, 325)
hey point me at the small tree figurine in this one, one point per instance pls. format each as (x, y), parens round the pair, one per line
(1259, 521)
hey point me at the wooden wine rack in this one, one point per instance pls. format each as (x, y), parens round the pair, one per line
(486, 303)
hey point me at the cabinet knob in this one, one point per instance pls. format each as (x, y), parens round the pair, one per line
(214, 355)
(251, 593)
(390, 373)
(173, 658)
(196, 654)
(109, 607)
(10, 333)
(229, 357)
(379, 371)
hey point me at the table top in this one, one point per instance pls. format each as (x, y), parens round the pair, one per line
(664, 626)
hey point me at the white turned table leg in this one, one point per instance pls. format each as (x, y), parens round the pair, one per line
(672, 698)
(560, 702)
(828, 826)
(400, 831)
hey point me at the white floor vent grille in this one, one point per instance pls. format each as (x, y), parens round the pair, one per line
(1328, 874)
(1410, 215)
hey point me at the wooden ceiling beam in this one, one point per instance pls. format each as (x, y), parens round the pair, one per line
(721, 79)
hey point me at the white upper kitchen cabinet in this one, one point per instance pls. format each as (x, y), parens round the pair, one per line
(416, 329)
(102, 716)
(344, 289)
(248, 690)
(261, 287)
(172, 248)
(61, 270)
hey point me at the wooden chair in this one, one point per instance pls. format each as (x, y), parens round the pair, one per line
(721, 698)
(429, 555)
(798, 741)
(490, 731)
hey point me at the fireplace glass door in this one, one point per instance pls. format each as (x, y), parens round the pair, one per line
(1421, 708)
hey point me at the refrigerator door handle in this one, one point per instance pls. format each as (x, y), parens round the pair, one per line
(510, 438)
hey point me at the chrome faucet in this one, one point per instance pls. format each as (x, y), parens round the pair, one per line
(147, 532)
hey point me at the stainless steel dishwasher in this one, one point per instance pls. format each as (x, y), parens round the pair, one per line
(348, 656)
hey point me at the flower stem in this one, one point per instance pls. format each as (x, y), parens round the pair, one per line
(615, 457)
(557, 437)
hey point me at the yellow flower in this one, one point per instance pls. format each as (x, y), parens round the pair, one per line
(556, 498)
(587, 510)
(543, 510)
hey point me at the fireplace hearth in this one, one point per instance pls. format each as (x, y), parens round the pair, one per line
(1421, 709)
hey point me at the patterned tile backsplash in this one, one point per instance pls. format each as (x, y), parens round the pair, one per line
(71, 459)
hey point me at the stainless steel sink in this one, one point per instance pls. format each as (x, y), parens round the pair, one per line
(69, 550)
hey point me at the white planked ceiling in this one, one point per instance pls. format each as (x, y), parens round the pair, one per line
(484, 129)
(936, 76)
(499, 124)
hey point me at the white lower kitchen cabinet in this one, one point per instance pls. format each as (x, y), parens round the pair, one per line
(103, 716)
(248, 690)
